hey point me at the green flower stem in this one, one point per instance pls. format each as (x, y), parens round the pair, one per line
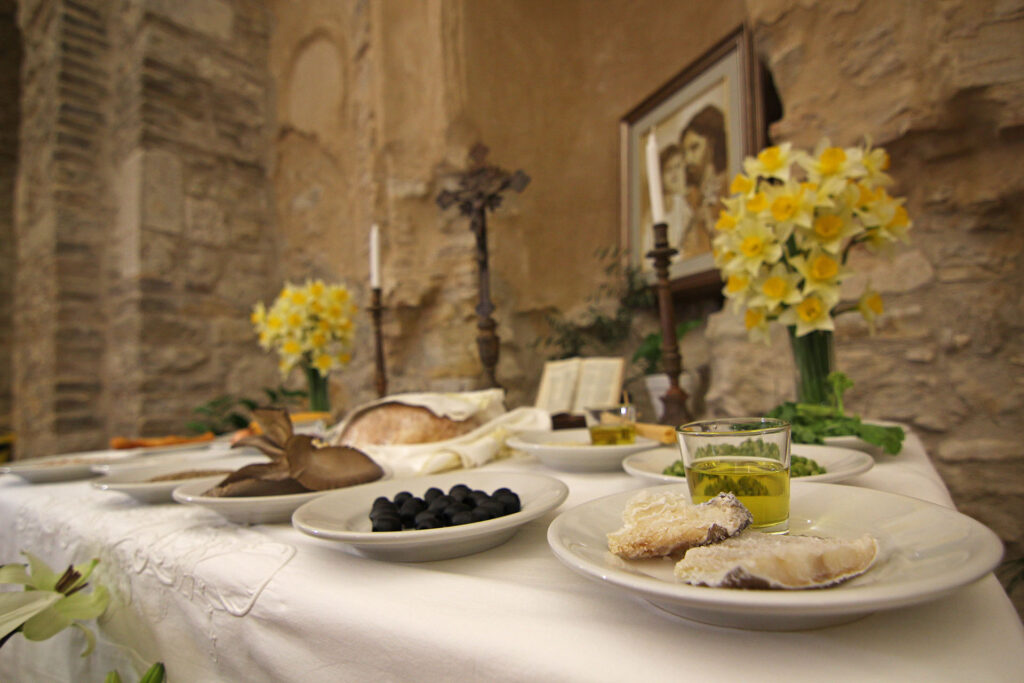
(319, 399)
(814, 357)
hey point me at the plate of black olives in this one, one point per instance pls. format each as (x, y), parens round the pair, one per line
(436, 517)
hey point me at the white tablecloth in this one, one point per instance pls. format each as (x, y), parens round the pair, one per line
(218, 602)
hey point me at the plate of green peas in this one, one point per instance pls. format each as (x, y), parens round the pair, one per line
(807, 463)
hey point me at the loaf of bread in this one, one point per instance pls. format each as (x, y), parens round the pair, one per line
(388, 424)
(756, 560)
(660, 523)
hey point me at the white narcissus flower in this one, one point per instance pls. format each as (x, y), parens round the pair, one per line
(312, 325)
(785, 233)
(776, 288)
(754, 244)
(809, 315)
(821, 272)
(870, 307)
(737, 288)
(756, 322)
(773, 162)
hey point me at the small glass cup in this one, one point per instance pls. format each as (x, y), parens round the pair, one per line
(612, 425)
(746, 456)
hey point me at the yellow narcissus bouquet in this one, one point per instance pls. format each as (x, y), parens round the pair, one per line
(311, 326)
(785, 233)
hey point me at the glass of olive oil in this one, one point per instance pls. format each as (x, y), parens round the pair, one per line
(746, 456)
(612, 425)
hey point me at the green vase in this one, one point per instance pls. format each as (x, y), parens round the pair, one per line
(815, 358)
(319, 398)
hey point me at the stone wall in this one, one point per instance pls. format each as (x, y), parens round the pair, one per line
(142, 215)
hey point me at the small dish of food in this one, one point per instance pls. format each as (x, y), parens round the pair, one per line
(571, 450)
(350, 515)
(156, 483)
(817, 464)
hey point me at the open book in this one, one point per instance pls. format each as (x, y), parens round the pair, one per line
(573, 384)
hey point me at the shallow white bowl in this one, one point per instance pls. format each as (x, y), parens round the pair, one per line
(343, 516)
(571, 450)
(839, 463)
(65, 467)
(243, 510)
(926, 551)
(134, 481)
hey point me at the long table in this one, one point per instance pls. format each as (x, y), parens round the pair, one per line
(220, 602)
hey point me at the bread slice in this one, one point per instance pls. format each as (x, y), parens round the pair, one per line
(661, 523)
(756, 560)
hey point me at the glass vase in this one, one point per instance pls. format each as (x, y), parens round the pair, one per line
(814, 357)
(319, 398)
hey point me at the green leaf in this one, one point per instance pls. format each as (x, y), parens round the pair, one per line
(17, 608)
(112, 677)
(889, 438)
(155, 674)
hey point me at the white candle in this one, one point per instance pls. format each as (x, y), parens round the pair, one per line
(375, 257)
(654, 179)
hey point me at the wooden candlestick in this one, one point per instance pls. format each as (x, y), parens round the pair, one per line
(380, 374)
(674, 400)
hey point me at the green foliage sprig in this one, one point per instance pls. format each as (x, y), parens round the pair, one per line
(229, 413)
(598, 328)
(812, 423)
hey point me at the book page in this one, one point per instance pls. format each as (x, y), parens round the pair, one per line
(600, 383)
(558, 385)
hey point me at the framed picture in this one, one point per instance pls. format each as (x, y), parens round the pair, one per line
(704, 121)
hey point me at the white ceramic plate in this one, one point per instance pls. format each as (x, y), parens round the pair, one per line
(147, 458)
(926, 551)
(571, 450)
(135, 481)
(839, 463)
(243, 510)
(62, 467)
(344, 516)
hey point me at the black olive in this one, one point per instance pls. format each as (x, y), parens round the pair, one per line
(432, 493)
(427, 520)
(402, 497)
(493, 506)
(481, 514)
(454, 509)
(509, 501)
(389, 511)
(462, 517)
(440, 503)
(387, 524)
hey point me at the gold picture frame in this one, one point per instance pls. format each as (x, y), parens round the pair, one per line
(705, 120)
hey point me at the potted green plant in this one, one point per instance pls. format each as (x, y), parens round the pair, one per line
(648, 357)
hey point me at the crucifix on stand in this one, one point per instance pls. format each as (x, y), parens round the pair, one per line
(480, 190)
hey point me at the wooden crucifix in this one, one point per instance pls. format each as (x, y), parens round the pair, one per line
(480, 190)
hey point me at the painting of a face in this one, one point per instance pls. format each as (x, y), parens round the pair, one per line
(695, 150)
(672, 176)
